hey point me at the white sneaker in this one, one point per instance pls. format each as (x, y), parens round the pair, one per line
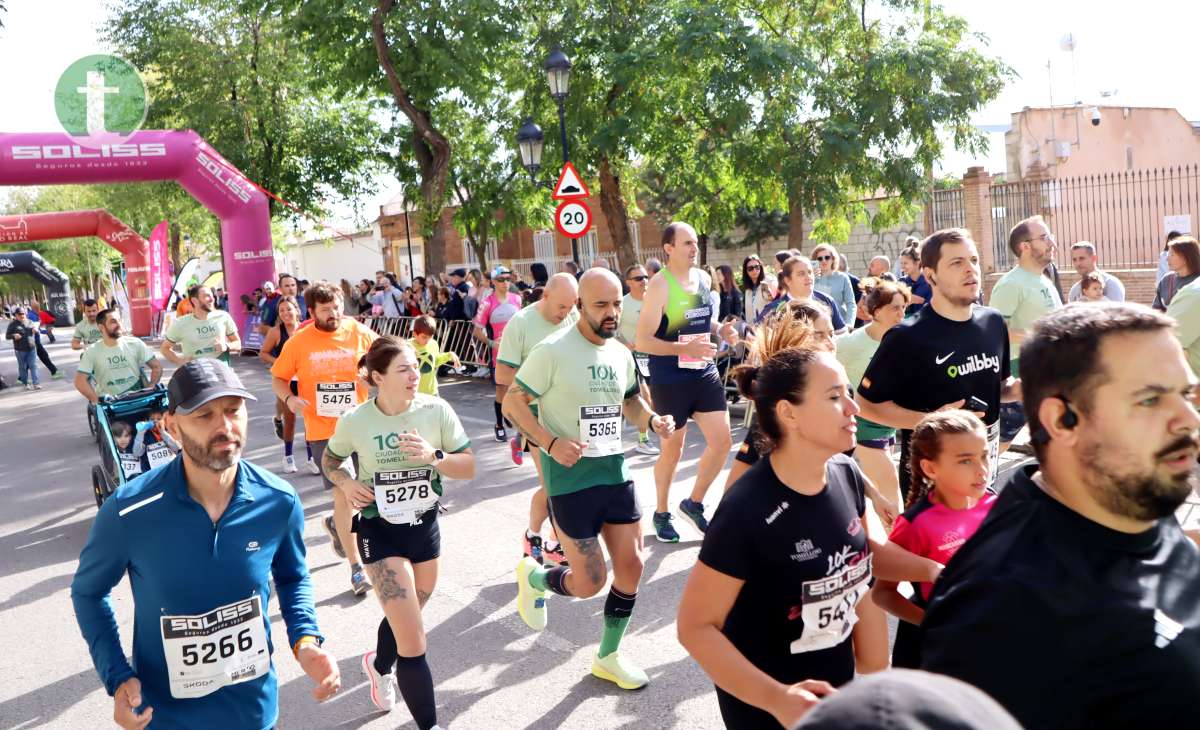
(37, 386)
(312, 467)
(289, 464)
(383, 686)
(28, 386)
(647, 448)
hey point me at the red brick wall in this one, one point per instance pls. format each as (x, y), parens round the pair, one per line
(1139, 283)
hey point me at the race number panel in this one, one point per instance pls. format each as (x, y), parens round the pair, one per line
(131, 466)
(334, 399)
(687, 362)
(643, 364)
(830, 606)
(159, 454)
(573, 218)
(225, 646)
(600, 429)
(403, 495)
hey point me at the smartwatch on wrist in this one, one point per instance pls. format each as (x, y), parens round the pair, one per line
(438, 455)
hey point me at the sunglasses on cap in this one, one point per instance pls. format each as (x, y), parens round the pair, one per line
(643, 277)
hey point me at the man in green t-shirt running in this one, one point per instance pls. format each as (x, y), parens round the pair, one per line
(114, 364)
(87, 331)
(206, 332)
(584, 382)
(530, 326)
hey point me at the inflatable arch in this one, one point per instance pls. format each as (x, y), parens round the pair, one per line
(58, 287)
(58, 159)
(105, 226)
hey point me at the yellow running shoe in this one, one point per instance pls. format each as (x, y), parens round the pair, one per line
(531, 603)
(619, 671)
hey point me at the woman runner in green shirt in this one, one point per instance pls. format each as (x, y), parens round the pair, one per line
(406, 443)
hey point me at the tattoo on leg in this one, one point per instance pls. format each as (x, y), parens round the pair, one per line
(423, 597)
(593, 559)
(387, 585)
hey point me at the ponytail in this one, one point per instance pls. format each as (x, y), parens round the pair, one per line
(926, 443)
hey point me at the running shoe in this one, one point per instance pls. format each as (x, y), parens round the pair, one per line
(383, 686)
(278, 427)
(694, 512)
(644, 446)
(359, 582)
(533, 547)
(514, 446)
(56, 376)
(531, 603)
(501, 434)
(37, 386)
(553, 551)
(312, 466)
(619, 671)
(663, 529)
(289, 464)
(28, 386)
(334, 541)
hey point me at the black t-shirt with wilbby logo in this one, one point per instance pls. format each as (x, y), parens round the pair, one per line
(806, 565)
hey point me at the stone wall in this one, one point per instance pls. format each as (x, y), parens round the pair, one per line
(1139, 283)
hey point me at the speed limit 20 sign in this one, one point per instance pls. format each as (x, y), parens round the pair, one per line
(573, 218)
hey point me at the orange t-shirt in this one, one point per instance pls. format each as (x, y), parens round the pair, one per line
(331, 359)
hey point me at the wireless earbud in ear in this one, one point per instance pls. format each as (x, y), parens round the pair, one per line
(1069, 418)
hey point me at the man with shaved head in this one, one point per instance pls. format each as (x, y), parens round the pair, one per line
(554, 311)
(583, 382)
(878, 266)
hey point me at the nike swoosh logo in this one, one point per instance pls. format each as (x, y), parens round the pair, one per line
(940, 360)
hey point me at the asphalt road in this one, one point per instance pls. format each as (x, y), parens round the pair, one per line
(490, 670)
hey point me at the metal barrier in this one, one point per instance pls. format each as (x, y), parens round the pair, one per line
(454, 335)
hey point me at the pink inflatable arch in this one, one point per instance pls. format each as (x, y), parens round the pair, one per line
(57, 159)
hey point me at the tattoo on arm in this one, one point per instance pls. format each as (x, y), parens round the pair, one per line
(332, 466)
(593, 559)
(387, 582)
(423, 597)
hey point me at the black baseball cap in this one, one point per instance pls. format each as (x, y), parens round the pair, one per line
(199, 381)
(908, 699)
(460, 273)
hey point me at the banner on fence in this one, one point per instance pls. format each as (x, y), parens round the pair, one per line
(1180, 223)
(254, 338)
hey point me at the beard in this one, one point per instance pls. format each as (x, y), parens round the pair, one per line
(204, 455)
(326, 325)
(1140, 494)
(598, 327)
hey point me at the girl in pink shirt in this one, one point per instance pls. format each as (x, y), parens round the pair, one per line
(949, 460)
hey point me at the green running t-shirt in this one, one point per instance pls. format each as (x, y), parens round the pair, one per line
(202, 337)
(1022, 297)
(117, 369)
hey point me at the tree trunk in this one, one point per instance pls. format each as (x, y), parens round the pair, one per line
(617, 216)
(796, 219)
(431, 146)
(176, 242)
(702, 242)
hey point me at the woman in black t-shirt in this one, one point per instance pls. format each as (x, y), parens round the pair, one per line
(769, 609)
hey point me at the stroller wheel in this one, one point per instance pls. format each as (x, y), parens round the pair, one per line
(100, 488)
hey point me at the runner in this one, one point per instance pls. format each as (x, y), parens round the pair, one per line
(528, 327)
(1022, 296)
(324, 359)
(200, 540)
(494, 312)
(287, 315)
(113, 366)
(675, 329)
(770, 605)
(885, 302)
(949, 501)
(87, 331)
(583, 382)
(206, 332)
(631, 310)
(950, 351)
(1085, 543)
(407, 443)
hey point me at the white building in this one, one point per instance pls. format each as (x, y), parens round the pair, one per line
(334, 257)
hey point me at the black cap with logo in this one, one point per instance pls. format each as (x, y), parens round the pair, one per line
(201, 380)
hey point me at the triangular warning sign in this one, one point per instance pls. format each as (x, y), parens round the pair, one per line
(570, 186)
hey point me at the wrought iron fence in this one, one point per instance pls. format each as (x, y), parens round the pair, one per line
(947, 206)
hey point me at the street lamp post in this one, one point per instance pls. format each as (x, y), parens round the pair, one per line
(530, 140)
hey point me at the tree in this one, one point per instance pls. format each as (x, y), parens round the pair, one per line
(422, 57)
(230, 70)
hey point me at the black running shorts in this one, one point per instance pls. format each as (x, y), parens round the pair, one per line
(378, 539)
(580, 515)
(683, 398)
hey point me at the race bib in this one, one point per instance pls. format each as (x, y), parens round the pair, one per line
(334, 399)
(600, 429)
(829, 607)
(403, 495)
(692, 363)
(131, 466)
(643, 364)
(158, 454)
(225, 646)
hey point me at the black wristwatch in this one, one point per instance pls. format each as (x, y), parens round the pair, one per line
(438, 455)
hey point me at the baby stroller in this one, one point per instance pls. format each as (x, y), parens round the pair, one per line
(133, 406)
